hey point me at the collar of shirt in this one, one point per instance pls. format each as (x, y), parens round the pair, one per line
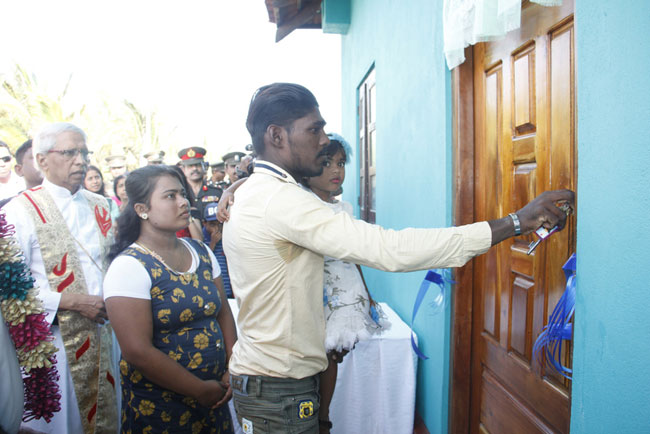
(59, 192)
(267, 168)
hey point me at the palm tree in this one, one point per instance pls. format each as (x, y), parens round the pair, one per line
(25, 105)
(145, 130)
(112, 125)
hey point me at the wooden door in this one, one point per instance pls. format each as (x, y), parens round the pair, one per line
(524, 144)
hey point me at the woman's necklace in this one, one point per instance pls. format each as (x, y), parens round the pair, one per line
(159, 258)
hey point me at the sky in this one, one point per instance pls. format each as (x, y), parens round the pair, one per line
(196, 62)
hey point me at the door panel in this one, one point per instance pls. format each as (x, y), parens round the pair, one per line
(490, 190)
(497, 400)
(524, 113)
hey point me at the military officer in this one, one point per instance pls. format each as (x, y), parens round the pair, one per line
(218, 174)
(116, 165)
(193, 167)
(154, 157)
(231, 161)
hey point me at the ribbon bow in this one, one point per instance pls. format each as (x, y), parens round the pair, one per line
(439, 303)
(559, 328)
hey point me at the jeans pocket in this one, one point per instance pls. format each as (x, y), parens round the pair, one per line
(255, 415)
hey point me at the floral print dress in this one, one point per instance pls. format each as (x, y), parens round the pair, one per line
(348, 313)
(185, 327)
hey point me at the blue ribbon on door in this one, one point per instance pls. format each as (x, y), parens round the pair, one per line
(559, 328)
(438, 304)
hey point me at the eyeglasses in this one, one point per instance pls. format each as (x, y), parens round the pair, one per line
(69, 154)
(6, 158)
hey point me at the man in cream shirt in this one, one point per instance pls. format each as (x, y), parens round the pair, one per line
(275, 241)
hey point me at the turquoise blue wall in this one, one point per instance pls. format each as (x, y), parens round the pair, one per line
(611, 387)
(413, 157)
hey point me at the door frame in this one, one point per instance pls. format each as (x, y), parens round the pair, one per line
(462, 86)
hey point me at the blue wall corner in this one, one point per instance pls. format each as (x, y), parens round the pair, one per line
(336, 16)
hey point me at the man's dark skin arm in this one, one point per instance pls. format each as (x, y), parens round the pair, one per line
(541, 211)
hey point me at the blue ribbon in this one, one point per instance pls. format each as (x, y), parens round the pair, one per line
(436, 278)
(559, 328)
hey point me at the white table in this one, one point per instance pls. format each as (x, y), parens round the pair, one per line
(375, 386)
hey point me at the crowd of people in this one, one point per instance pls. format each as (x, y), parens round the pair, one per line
(135, 282)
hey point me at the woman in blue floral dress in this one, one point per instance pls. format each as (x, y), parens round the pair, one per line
(165, 300)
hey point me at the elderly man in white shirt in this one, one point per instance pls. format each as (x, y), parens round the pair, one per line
(65, 232)
(275, 241)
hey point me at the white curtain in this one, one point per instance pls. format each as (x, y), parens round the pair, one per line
(466, 22)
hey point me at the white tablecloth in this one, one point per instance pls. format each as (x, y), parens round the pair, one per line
(375, 386)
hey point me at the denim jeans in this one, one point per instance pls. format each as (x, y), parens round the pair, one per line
(276, 405)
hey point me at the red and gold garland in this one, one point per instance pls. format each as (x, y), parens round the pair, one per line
(30, 332)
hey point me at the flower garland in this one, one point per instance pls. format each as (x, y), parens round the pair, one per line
(30, 332)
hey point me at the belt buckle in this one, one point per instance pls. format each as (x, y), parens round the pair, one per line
(239, 383)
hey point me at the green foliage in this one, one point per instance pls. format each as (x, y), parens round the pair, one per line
(24, 106)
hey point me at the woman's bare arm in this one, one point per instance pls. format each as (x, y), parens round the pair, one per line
(133, 324)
